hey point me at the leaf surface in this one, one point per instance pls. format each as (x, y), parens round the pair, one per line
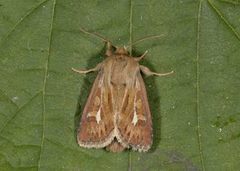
(196, 111)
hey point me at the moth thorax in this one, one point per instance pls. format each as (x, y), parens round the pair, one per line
(121, 51)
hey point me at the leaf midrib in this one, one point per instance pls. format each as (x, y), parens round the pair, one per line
(45, 83)
(198, 87)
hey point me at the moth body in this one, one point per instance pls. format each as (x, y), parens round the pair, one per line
(117, 114)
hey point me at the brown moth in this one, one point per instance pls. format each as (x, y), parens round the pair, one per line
(117, 114)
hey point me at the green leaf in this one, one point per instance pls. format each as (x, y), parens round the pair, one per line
(196, 111)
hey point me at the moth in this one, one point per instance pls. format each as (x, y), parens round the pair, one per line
(117, 114)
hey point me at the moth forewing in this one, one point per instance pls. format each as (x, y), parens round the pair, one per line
(117, 113)
(96, 127)
(135, 124)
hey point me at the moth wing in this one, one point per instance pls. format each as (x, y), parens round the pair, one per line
(97, 125)
(135, 123)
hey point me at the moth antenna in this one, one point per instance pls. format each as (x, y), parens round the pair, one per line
(95, 34)
(145, 38)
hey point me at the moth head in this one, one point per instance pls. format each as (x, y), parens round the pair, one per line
(121, 50)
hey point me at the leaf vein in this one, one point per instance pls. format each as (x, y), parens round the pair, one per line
(218, 12)
(232, 2)
(19, 110)
(198, 86)
(21, 20)
(8, 99)
(44, 85)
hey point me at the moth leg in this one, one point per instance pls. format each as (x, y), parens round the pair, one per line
(148, 72)
(109, 51)
(89, 70)
(141, 57)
